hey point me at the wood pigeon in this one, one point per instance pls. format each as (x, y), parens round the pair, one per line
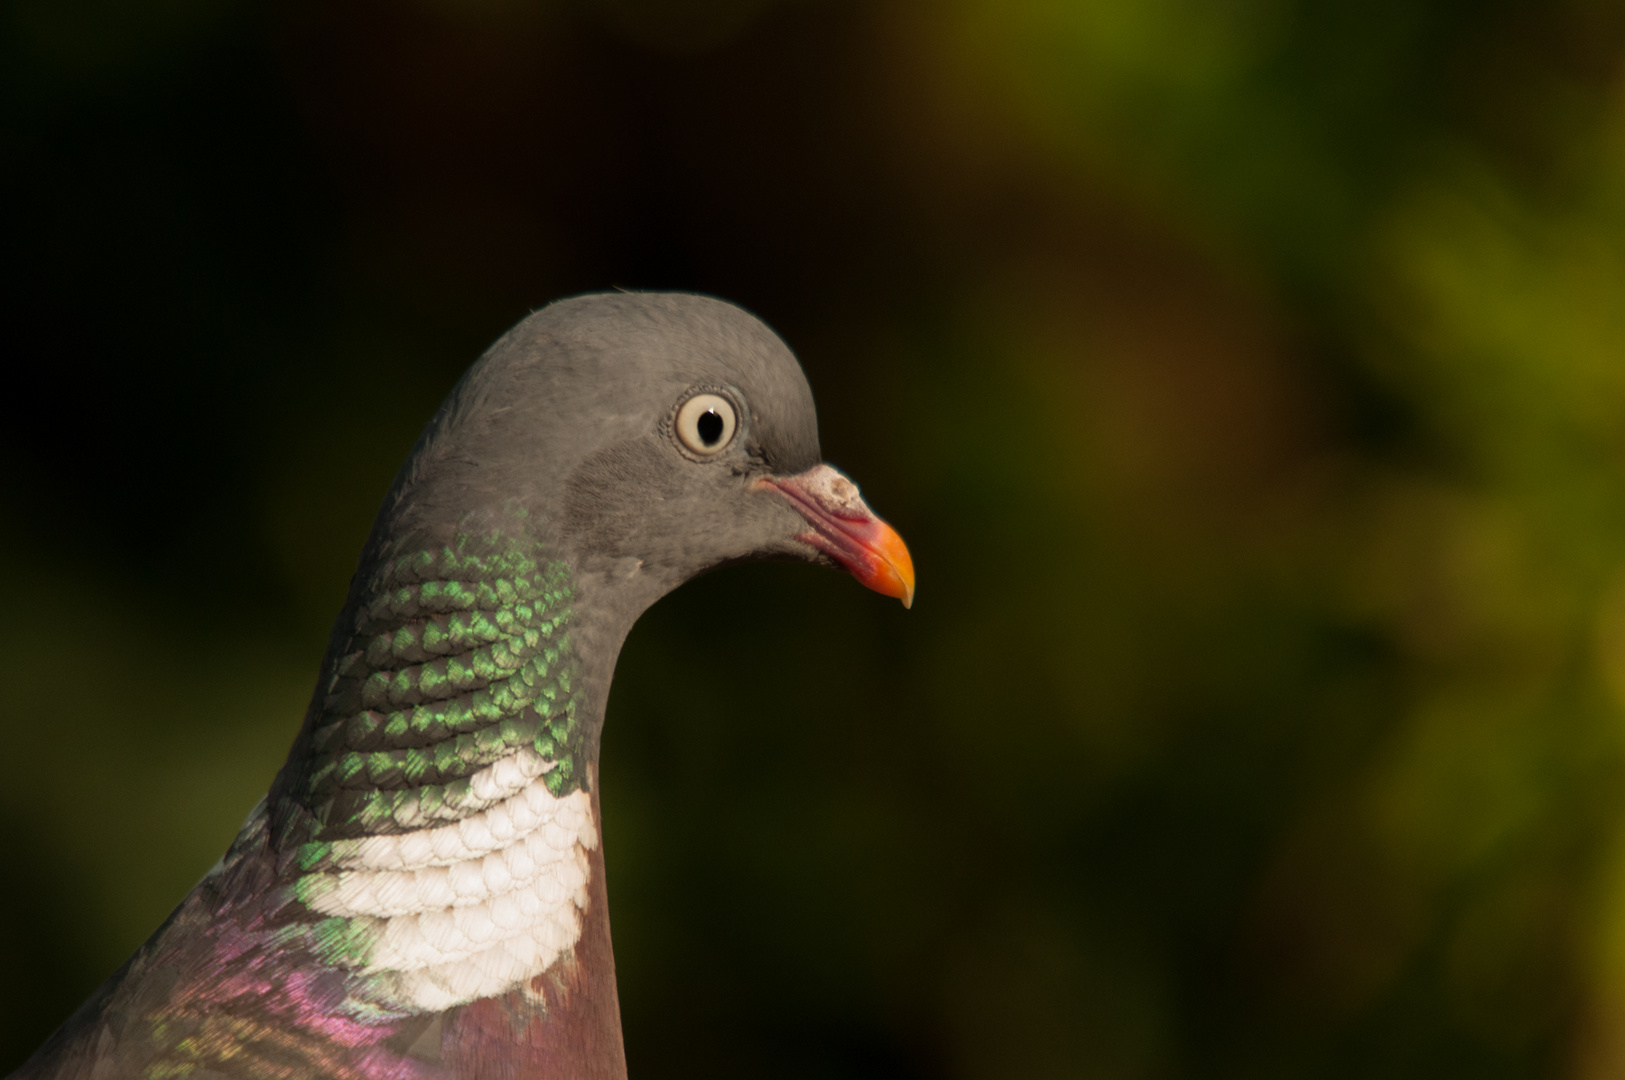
(421, 893)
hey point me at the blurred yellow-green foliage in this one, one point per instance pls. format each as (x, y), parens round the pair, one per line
(1248, 377)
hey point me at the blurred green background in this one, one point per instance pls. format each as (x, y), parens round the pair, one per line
(1247, 377)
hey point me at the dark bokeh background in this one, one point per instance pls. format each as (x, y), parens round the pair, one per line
(1248, 378)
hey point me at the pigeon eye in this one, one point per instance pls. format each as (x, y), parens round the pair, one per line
(706, 423)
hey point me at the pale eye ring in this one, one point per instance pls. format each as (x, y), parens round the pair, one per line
(706, 423)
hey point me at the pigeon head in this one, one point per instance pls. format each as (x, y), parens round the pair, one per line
(653, 436)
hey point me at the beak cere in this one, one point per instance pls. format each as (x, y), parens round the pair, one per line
(845, 529)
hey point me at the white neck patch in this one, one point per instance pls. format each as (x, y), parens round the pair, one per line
(470, 909)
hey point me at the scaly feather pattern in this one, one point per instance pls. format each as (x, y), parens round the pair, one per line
(445, 829)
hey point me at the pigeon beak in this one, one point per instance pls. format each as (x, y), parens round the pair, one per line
(845, 529)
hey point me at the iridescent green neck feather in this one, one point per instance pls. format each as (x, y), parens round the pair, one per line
(461, 659)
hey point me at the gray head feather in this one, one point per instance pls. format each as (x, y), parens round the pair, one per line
(570, 415)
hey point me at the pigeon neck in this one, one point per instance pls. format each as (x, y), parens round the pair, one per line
(439, 816)
(421, 896)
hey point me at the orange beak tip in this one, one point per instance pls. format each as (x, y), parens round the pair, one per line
(895, 557)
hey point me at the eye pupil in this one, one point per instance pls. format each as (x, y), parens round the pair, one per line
(709, 425)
